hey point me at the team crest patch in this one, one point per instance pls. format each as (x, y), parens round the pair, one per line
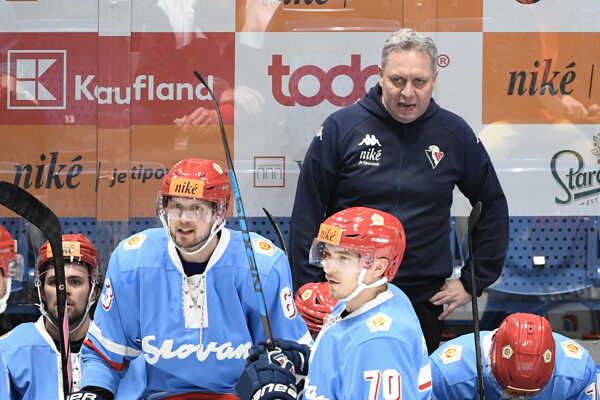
(263, 246)
(451, 354)
(547, 356)
(434, 155)
(287, 303)
(306, 294)
(134, 242)
(376, 220)
(507, 352)
(379, 322)
(572, 349)
(107, 296)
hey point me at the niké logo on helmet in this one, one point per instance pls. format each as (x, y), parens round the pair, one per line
(186, 187)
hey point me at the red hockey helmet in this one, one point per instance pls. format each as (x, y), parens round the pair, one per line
(76, 249)
(10, 262)
(523, 354)
(370, 233)
(197, 179)
(314, 303)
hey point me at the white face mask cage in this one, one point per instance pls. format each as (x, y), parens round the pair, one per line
(217, 225)
(318, 257)
(42, 304)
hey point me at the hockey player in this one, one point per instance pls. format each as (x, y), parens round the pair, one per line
(11, 264)
(314, 303)
(30, 349)
(183, 296)
(371, 346)
(522, 359)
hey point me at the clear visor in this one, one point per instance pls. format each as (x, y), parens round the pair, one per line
(196, 212)
(179, 208)
(322, 254)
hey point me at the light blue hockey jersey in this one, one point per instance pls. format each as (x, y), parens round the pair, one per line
(35, 368)
(4, 382)
(454, 371)
(194, 332)
(375, 352)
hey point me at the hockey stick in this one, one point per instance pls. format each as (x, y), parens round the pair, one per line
(36, 212)
(277, 230)
(473, 219)
(239, 207)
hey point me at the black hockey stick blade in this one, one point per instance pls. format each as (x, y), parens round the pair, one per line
(473, 220)
(36, 212)
(277, 230)
(239, 207)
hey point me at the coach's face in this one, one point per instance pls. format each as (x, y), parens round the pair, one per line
(407, 82)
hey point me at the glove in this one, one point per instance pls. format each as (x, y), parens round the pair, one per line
(295, 352)
(84, 395)
(263, 380)
(91, 393)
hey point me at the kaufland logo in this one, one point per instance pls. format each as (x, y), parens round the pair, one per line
(41, 83)
(143, 88)
(40, 79)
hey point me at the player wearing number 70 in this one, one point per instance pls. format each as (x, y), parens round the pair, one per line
(371, 345)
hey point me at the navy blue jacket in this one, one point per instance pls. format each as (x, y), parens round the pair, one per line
(364, 157)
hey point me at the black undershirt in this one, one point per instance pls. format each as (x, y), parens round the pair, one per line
(192, 268)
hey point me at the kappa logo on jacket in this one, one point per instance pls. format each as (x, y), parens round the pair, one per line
(369, 140)
(434, 155)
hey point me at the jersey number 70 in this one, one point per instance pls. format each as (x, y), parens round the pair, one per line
(391, 384)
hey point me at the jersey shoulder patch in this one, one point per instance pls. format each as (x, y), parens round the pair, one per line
(379, 322)
(452, 353)
(572, 349)
(134, 242)
(263, 246)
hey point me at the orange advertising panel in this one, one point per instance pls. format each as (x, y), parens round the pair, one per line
(358, 15)
(110, 174)
(57, 164)
(540, 78)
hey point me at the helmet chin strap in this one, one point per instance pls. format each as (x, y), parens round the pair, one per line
(213, 231)
(362, 286)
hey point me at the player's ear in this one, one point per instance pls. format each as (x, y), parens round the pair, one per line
(380, 266)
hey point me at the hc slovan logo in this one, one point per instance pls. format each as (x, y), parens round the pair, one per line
(31, 68)
(369, 140)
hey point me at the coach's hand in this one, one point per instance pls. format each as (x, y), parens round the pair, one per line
(453, 294)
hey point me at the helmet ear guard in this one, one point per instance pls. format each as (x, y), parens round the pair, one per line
(523, 354)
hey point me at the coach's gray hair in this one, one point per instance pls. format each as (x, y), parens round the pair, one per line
(407, 39)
